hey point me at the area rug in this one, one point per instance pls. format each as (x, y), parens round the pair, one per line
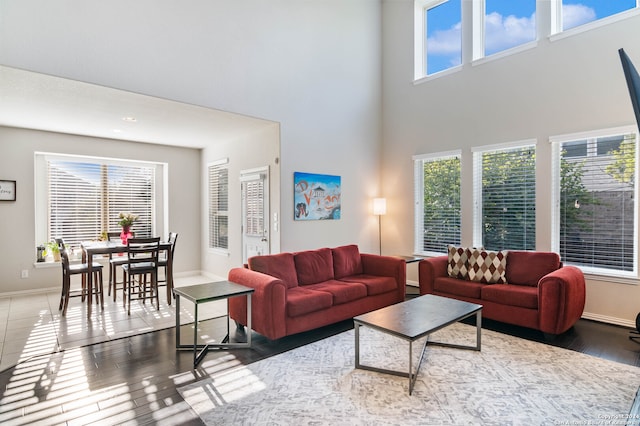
(511, 381)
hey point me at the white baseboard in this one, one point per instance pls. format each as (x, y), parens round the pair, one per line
(609, 320)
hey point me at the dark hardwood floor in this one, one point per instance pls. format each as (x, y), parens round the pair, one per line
(134, 380)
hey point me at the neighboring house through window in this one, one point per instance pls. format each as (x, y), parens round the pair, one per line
(595, 215)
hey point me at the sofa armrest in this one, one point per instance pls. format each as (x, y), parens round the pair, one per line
(429, 270)
(386, 266)
(268, 302)
(561, 299)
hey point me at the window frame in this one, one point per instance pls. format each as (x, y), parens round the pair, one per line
(218, 165)
(477, 152)
(418, 164)
(41, 202)
(556, 31)
(624, 277)
(421, 7)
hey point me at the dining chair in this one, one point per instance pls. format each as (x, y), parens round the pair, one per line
(142, 262)
(69, 269)
(114, 262)
(163, 259)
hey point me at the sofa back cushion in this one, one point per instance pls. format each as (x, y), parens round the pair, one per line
(279, 265)
(314, 266)
(346, 261)
(527, 267)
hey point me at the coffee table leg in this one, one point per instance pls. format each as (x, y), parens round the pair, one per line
(356, 327)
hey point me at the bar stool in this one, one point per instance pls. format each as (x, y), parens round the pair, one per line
(68, 270)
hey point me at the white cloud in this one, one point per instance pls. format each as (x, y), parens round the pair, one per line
(504, 32)
(445, 42)
(576, 14)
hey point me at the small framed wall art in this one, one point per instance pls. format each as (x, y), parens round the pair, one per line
(7, 190)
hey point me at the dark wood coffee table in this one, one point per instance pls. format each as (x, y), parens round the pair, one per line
(414, 319)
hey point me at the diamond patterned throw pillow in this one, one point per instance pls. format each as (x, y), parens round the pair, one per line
(458, 258)
(487, 266)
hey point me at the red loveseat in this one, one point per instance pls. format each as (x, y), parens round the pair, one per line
(296, 292)
(539, 292)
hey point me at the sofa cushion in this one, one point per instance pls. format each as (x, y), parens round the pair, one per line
(314, 266)
(458, 258)
(487, 266)
(511, 295)
(346, 261)
(375, 284)
(458, 287)
(279, 265)
(341, 291)
(303, 300)
(527, 267)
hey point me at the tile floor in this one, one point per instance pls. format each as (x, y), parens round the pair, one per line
(31, 324)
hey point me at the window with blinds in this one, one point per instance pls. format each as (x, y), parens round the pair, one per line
(85, 197)
(505, 197)
(437, 202)
(218, 173)
(254, 215)
(595, 215)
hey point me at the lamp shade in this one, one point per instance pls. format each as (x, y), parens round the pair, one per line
(379, 206)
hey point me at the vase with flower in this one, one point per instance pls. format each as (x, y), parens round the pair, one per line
(126, 221)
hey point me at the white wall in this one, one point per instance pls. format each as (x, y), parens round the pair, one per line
(261, 149)
(313, 66)
(567, 85)
(17, 219)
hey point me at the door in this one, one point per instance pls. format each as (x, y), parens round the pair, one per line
(255, 212)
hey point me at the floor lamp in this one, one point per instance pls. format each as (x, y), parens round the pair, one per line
(379, 209)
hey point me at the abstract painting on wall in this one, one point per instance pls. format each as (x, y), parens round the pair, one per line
(316, 197)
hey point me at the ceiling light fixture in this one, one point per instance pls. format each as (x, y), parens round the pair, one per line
(129, 119)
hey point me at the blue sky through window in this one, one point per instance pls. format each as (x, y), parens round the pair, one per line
(508, 23)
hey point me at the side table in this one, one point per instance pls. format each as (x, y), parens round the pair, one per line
(203, 293)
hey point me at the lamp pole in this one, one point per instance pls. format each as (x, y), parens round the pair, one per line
(380, 209)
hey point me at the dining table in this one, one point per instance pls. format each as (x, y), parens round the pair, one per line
(96, 248)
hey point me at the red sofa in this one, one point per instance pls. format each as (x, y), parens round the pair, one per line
(539, 293)
(296, 292)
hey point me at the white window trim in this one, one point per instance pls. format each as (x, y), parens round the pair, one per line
(598, 274)
(477, 181)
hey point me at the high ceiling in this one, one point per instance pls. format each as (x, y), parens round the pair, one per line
(37, 101)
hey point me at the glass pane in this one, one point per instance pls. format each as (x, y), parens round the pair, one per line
(508, 23)
(444, 38)
(509, 199)
(579, 12)
(441, 220)
(597, 203)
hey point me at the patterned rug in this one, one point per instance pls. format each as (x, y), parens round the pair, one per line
(511, 381)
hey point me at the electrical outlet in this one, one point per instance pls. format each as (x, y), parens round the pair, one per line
(24, 273)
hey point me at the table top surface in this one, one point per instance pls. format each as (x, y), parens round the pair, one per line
(105, 247)
(408, 259)
(208, 292)
(418, 317)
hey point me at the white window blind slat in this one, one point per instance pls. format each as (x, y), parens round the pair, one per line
(505, 198)
(596, 210)
(218, 181)
(437, 201)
